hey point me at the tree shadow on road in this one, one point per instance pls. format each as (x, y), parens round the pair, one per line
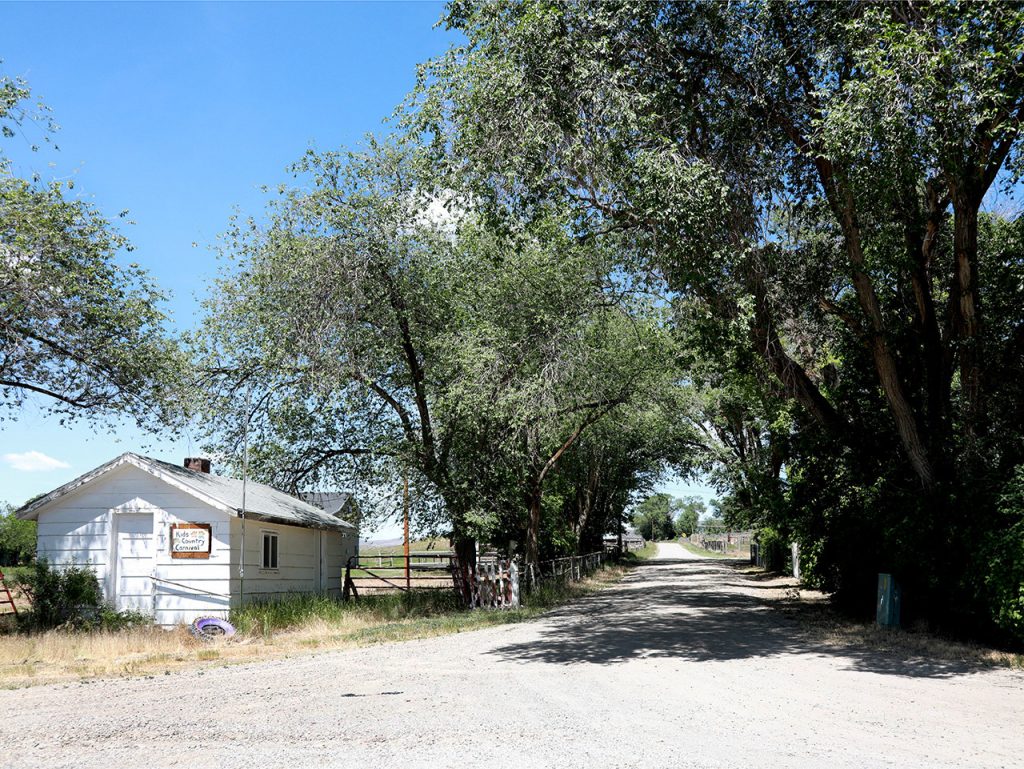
(698, 611)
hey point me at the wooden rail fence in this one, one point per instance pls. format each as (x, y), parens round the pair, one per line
(384, 573)
(493, 583)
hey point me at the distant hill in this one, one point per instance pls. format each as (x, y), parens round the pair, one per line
(365, 543)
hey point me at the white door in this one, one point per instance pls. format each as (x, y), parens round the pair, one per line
(133, 588)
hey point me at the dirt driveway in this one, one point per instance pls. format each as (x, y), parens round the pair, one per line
(680, 665)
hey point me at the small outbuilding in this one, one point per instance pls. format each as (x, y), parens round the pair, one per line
(631, 539)
(168, 541)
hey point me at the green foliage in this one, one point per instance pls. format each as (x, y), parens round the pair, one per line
(688, 515)
(110, 619)
(13, 573)
(62, 595)
(773, 548)
(808, 178)
(17, 539)
(15, 111)
(376, 327)
(654, 517)
(82, 335)
(69, 597)
(1005, 553)
(716, 522)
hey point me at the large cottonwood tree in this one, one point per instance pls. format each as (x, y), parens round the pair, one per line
(81, 335)
(374, 327)
(810, 173)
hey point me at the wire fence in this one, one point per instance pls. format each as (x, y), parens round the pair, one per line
(726, 542)
(568, 569)
(371, 574)
(492, 582)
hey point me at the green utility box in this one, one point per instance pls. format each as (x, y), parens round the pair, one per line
(888, 606)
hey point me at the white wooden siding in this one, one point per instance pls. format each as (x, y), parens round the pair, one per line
(200, 585)
(79, 526)
(298, 560)
(339, 548)
(78, 529)
(297, 556)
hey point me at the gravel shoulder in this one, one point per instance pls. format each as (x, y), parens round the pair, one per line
(681, 664)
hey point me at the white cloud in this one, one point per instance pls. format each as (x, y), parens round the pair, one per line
(33, 461)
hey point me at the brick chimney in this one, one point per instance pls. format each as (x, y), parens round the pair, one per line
(198, 464)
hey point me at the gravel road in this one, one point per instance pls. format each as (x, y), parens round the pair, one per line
(680, 665)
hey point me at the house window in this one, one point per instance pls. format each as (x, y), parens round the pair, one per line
(268, 559)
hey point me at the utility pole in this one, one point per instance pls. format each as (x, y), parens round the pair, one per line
(619, 544)
(405, 516)
(245, 481)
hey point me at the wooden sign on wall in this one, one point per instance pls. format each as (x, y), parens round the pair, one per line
(191, 540)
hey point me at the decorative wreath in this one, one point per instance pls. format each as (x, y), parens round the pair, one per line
(212, 628)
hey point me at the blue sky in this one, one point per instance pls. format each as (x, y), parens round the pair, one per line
(179, 113)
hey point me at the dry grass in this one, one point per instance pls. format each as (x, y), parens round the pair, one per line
(58, 656)
(434, 545)
(820, 619)
(61, 656)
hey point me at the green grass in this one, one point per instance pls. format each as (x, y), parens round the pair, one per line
(296, 610)
(12, 573)
(635, 556)
(402, 616)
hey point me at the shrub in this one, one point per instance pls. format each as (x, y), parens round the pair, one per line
(108, 618)
(70, 597)
(60, 596)
(774, 550)
(1005, 551)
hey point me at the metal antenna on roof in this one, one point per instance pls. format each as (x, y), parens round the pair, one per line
(245, 481)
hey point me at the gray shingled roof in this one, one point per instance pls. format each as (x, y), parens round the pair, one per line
(262, 502)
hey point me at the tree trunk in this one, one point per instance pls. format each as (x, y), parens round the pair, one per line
(533, 499)
(791, 375)
(967, 307)
(936, 379)
(465, 551)
(584, 505)
(907, 426)
(902, 413)
(618, 530)
(921, 245)
(841, 200)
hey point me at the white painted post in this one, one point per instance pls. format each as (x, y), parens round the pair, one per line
(513, 575)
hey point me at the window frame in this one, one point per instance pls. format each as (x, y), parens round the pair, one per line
(270, 559)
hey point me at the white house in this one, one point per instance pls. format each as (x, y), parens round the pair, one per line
(166, 540)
